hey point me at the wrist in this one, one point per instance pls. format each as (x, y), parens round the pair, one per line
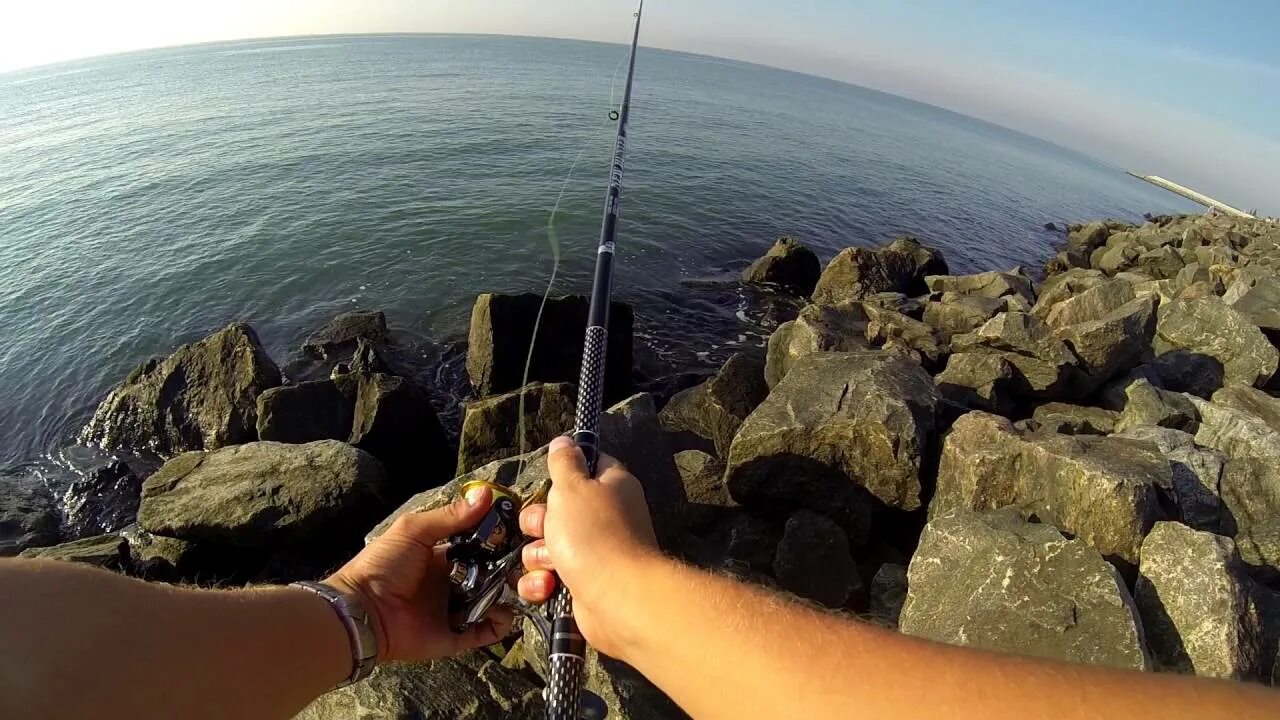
(634, 612)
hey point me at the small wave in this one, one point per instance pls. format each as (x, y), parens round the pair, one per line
(280, 49)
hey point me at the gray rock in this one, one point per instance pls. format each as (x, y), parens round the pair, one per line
(992, 284)
(1196, 475)
(502, 329)
(1147, 404)
(715, 409)
(340, 335)
(997, 583)
(818, 328)
(703, 479)
(109, 552)
(492, 427)
(471, 687)
(263, 494)
(1074, 419)
(162, 559)
(1259, 548)
(1261, 303)
(813, 560)
(1193, 598)
(979, 381)
(789, 265)
(1162, 262)
(1062, 286)
(889, 592)
(395, 423)
(202, 397)
(1188, 372)
(1113, 343)
(1100, 489)
(1088, 238)
(1210, 327)
(1090, 305)
(1250, 490)
(956, 314)
(1044, 365)
(897, 302)
(1241, 422)
(309, 411)
(886, 326)
(856, 273)
(28, 515)
(838, 426)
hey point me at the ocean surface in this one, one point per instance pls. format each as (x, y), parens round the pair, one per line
(148, 199)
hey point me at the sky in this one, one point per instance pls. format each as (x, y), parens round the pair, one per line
(1186, 90)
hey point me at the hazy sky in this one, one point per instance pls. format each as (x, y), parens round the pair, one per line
(1187, 90)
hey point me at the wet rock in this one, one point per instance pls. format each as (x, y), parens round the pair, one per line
(1210, 327)
(340, 335)
(840, 425)
(164, 559)
(856, 273)
(202, 397)
(889, 592)
(814, 562)
(367, 359)
(1195, 492)
(818, 328)
(103, 501)
(309, 411)
(994, 284)
(1089, 305)
(789, 265)
(471, 687)
(1100, 489)
(1147, 404)
(263, 494)
(995, 582)
(956, 314)
(395, 423)
(979, 381)
(28, 515)
(1113, 343)
(715, 409)
(1193, 598)
(109, 552)
(1043, 364)
(491, 427)
(703, 479)
(502, 329)
(1074, 419)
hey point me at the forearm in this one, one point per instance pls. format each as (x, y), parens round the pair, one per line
(86, 643)
(725, 650)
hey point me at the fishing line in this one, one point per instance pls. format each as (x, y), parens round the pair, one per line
(554, 243)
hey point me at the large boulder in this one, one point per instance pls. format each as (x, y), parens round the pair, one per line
(28, 515)
(1063, 286)
(788, 265)
(1259, 548)
(856, 273)
(109, 552)
(309, 411)
(202, 397)
(395, 422)
(1194, 600)
(1044, 365)
(703, 479)
(340, 335)
(993, 284)
(1091, 304)
(1196, 476)
(470, 687)
(979, 381)
(263, 494)
(1208, 326)
(1261, 303)
(502, 328)
(514, 423)
(889, 328)
(995, 582)
(1102, 490)
(839, 426)
(813, 560)
(104, 500)
(715, 409)
(955, 314)
(818, 328)
(1146, 404)
(1113, 343)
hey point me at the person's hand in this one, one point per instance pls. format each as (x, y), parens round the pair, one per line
(594, 532)
(403, 579)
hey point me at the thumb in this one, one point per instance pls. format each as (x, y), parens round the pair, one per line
(566, 463)
(433, 526)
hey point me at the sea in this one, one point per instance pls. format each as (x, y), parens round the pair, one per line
(150, 198)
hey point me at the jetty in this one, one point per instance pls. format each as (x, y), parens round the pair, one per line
(1193, 196)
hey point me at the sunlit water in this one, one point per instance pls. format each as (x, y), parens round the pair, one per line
(148, 199)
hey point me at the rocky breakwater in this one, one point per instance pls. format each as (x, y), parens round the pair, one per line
(1080, 466)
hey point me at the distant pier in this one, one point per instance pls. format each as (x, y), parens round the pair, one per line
(1193, 196)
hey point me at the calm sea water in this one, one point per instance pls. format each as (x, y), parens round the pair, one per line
(150, 198)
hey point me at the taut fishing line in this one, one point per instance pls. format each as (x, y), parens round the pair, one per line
(554, 243)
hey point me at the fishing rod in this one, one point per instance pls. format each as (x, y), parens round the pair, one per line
(568, 649)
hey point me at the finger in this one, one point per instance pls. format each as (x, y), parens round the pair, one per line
(566, 463)
(532, 519)
(537, 586)
(535, 556)
(433, 526)
(495, 626)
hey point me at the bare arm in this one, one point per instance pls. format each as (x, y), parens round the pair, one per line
(722, 649)
(84, 643)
